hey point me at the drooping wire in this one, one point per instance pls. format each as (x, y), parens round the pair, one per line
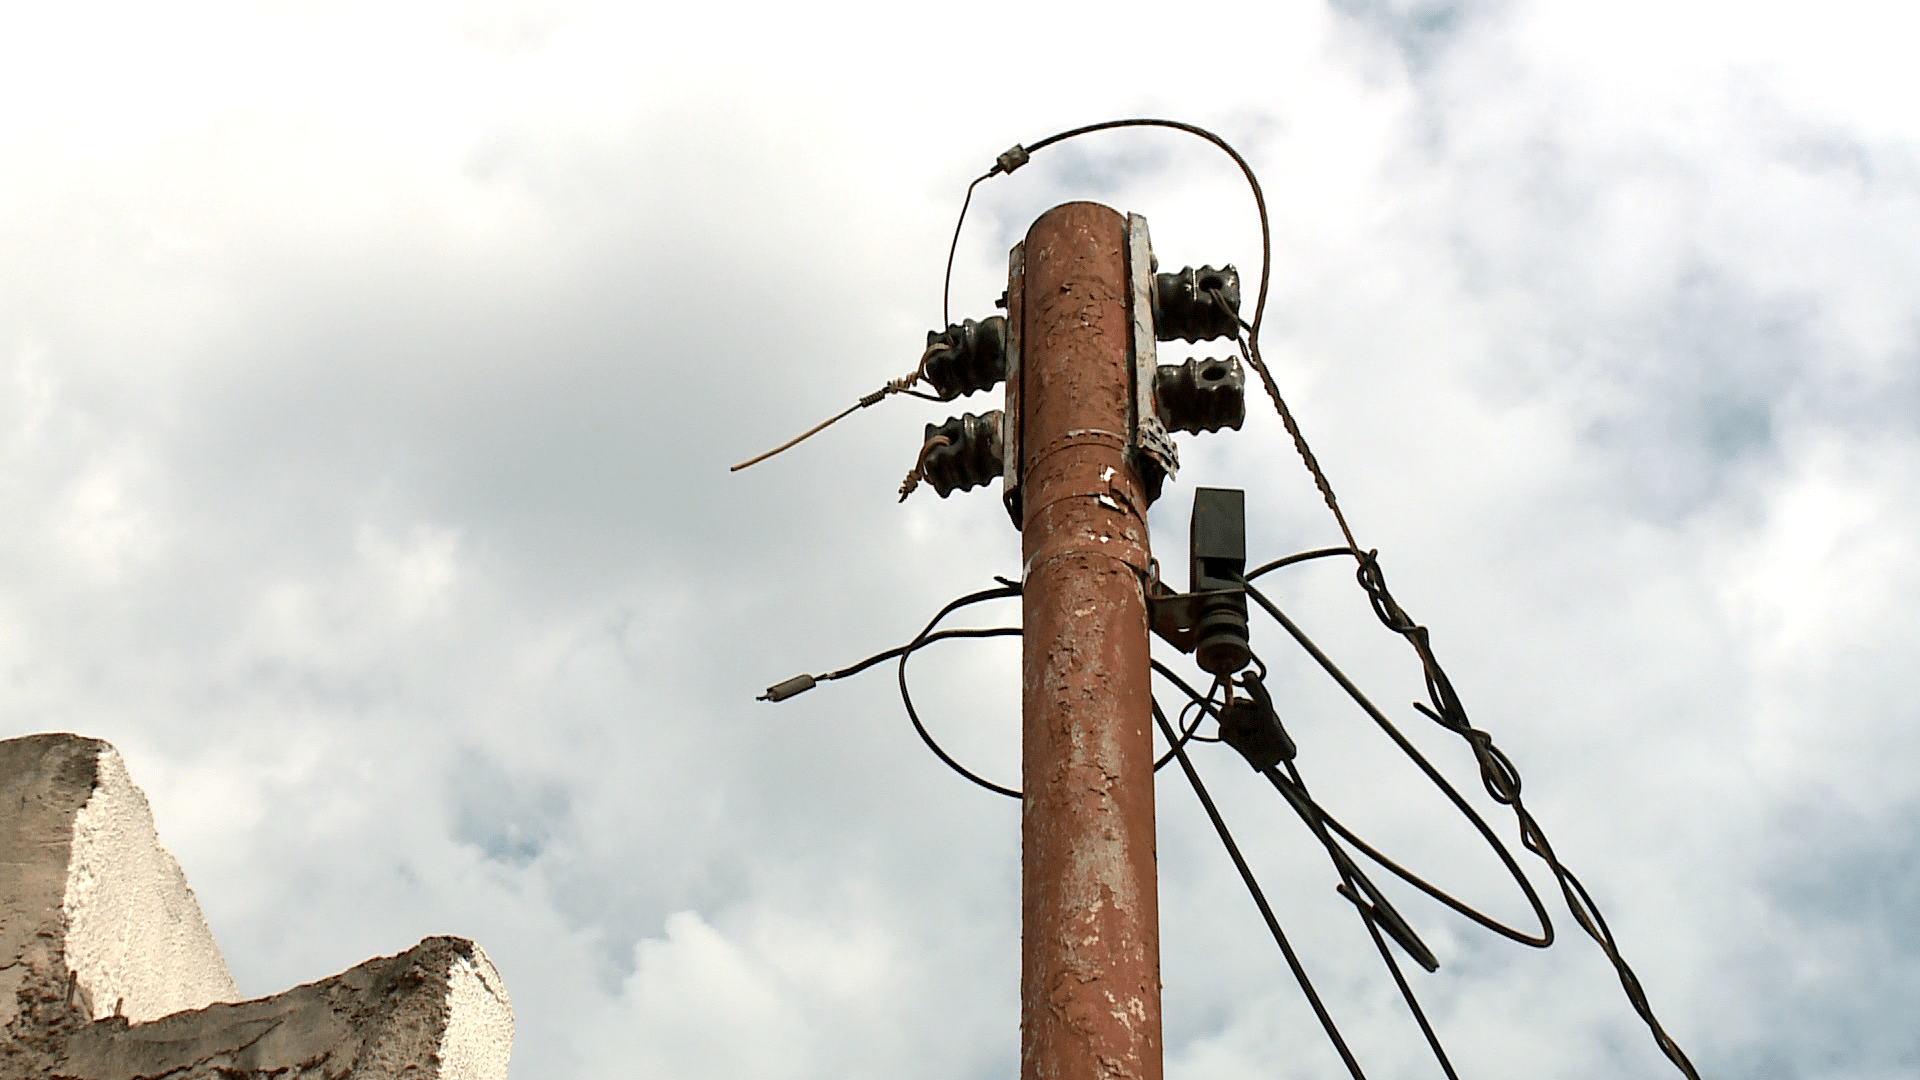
(928, 636)
(1005, 591)
(1498, 775)
(1375, 912)
(946, 286)
(1353, 883)
(1259, 897)
(1541, 940)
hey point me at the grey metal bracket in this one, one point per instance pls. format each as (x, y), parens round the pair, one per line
(1010, 415)
(1155, 456)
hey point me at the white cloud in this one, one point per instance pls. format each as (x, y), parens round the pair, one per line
(372, 371)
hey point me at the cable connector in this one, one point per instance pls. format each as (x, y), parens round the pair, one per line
(1011, 160)
(1251, 726)
(781, 691)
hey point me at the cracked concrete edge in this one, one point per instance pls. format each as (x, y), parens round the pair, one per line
(136, 940)
(91, 903)
(437, 1010)
(478, 1043)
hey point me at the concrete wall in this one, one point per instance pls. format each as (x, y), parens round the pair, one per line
(108, 971)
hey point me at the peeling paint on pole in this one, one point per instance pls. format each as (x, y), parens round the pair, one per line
(1090, 959)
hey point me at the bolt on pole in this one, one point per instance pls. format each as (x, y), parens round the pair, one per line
(1090, 954)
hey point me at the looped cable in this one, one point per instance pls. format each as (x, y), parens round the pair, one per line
(1502, 783)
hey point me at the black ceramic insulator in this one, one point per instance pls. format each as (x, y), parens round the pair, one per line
(1201, 395)
(1223, 647)
(970, 457)
(1196, 305)
(971, 356)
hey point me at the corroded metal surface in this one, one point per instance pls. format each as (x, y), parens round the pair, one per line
(1151, 437)
(1090, 962)
(1010, 415)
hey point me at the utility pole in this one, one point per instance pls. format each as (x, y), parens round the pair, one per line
(1089, 896)
(1082, 447)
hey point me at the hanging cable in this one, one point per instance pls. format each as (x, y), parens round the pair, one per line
(1259, 897)
(1375, 913)
(1499, 776)
(927, 636)
(1006, 591)
(1539, 941)
(946, 287)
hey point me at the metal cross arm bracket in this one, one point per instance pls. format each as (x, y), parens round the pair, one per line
(1175, 616)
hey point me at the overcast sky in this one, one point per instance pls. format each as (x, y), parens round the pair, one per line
(369, 374)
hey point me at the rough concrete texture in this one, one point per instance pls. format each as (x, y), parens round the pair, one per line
(415, 1015)
(479, 1035)
(89, 890)
(136, 942)
(108, 971)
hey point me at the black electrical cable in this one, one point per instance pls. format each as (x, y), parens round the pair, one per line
(1298, 557)
(1181, 720)
(1259, 897)
(946, 287)
(1498, 775)
(1294, 789)
(906, 699)
(1019, 155)
(1502, 781)
(1540, 941)
(1374, 910)
(1005, 591)
(927, 636)
(1546, 936)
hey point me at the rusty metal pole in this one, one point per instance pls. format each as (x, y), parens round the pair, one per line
(1090, 956)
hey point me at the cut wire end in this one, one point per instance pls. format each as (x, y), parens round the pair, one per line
(781, 691)
(902, 385)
